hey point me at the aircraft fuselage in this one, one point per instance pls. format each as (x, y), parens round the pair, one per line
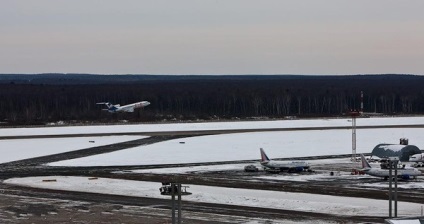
(281, 165)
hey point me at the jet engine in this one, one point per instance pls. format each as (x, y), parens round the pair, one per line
(405, 177)
(296, 169)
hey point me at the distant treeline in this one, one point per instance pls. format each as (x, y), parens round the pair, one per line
(37, 99)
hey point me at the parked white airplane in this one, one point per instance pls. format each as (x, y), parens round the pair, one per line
(126, 108)
(418, 159)
(404, 172)
(290, 166)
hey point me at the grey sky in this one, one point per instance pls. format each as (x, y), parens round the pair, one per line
(212, 36)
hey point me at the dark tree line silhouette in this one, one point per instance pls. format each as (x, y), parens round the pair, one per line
(54, 98)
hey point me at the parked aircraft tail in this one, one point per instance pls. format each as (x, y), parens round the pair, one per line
(264, 157)
(365, 164)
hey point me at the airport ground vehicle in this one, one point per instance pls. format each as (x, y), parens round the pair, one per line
(166, 189)
(251, 168)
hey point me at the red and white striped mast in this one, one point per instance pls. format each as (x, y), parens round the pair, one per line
(362, 103)
(355, 114)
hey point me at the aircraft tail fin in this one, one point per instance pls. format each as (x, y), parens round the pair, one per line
(109, 105)
(365, 164)
(264, 157)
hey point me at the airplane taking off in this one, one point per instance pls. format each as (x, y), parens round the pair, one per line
(403, 173)
(290, 166)
(126, 108)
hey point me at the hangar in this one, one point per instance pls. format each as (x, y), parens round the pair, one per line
(402, 150)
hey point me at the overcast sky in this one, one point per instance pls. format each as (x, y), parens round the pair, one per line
(212, 36)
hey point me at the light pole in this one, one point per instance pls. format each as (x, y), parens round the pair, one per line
(393, 163)
(176, 189)
(354, 114)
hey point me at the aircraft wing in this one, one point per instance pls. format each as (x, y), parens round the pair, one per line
(130, 109)
(127, 108)
(363, 169)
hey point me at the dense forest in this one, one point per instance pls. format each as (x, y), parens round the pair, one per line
(39, 99)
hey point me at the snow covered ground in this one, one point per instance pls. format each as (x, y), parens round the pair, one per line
(17, 149)
(228, 147)
(245, 146)
(226, 167)
(244, 197)
(345, 121)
